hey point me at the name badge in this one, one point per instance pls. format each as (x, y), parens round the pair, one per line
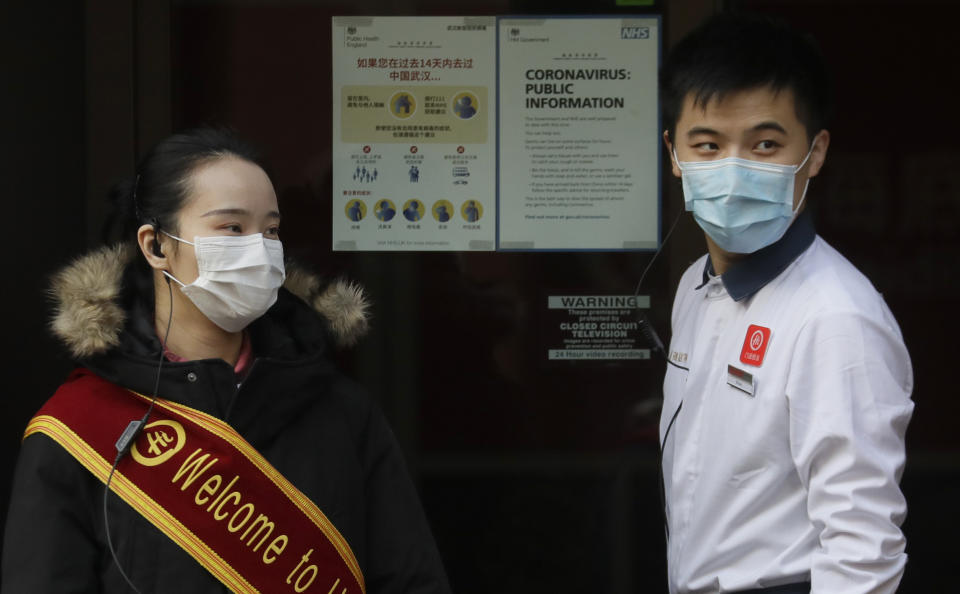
(741, 380)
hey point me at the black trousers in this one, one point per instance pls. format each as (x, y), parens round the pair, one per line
(801, 588)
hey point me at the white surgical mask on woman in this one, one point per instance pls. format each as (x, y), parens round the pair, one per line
(239, 276)
(742, 205)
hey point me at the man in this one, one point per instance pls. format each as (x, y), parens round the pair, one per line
(412, 211)
(386, 211)
(472, 212)
(464, 108)
(787, 393)
(442, 215)
(355, 213)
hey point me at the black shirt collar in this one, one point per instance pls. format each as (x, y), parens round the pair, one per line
(749, 275)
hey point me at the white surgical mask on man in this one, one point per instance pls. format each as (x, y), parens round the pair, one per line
(239, 277)
(743, 205)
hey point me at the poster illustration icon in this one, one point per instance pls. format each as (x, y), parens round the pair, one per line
(413, 210)
(356, 210)
(362, 174)
(465, 105)
(403, 105)
(472, 211)
(385, 211)
(442, 210)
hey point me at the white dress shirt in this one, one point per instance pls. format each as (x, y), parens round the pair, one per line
(786, 443)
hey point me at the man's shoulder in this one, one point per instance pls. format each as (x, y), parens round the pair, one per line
(830, 275)
(824, 284)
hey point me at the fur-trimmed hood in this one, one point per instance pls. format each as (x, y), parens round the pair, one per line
(89, 317)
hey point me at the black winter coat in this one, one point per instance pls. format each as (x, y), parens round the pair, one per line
(319, 429)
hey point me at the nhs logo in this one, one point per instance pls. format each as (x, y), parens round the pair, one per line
(634, 32)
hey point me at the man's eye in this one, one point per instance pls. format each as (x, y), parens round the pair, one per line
(707, 147)
(767, 145)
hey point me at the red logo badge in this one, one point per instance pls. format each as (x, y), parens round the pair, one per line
(755, 345)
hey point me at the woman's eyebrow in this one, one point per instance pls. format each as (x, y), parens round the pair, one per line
(273, 214)
(226, 211)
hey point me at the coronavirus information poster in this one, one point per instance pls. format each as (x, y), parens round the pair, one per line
(579, 150)
(414, 139)
(495, 133)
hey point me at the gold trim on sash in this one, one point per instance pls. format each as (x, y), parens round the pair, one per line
(140, 501)
(163, 439)
(230, 435)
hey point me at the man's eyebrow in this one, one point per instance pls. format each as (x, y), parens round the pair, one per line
(701, 130)
(770, 125)
(273, 214)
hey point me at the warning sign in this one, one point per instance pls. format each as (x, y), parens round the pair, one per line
(596, 327)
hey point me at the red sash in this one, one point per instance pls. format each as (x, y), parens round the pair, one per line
(197, 480)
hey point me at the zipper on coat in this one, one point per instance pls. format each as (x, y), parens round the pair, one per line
(236, 390)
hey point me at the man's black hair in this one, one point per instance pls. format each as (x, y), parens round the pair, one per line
(735, 52)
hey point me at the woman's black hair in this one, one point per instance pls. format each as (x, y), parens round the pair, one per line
(160, 187)
(161, 184)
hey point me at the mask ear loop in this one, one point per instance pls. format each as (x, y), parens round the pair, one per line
(181, 240)
(676, 159)
(807, 158)
(173, 278)
(806, 185)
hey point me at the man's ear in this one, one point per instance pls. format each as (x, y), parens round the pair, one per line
(818, 154)
(669, 145)
(151, 246)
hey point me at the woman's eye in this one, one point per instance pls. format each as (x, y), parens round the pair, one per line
(235, 228)
(273, 231)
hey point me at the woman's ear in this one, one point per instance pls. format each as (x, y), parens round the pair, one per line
(150, 245)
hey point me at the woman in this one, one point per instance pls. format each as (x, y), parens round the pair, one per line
(258, 467)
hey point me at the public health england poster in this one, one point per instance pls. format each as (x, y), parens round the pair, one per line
(414, 142)
(485, 133)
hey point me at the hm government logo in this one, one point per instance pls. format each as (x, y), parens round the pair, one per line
(634, 32)
(159, 441)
